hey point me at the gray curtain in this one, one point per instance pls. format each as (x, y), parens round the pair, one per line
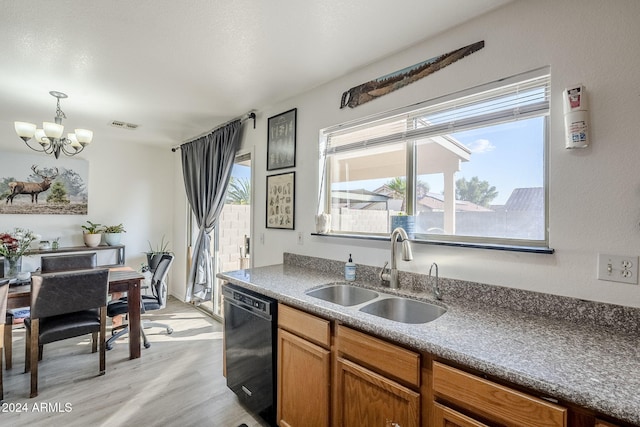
(206, 167)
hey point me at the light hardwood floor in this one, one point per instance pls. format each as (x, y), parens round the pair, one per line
(177, 382)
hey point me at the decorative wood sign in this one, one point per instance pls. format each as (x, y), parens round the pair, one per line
(383, 85)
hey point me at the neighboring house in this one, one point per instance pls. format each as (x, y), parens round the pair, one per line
(433, 202)
(359, 199)
(525, 199)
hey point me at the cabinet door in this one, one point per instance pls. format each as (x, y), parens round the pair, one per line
(365, 398)
(447, 417)
(303, 382)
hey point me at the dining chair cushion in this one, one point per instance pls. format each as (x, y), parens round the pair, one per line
(57, 328)
(50, 264)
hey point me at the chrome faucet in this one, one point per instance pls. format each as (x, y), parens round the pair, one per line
(436, 286)
(407, 255)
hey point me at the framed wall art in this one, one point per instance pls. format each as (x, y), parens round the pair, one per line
(281, 140)
(42, 185)
(281, 201)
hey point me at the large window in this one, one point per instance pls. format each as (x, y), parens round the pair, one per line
(469, 167)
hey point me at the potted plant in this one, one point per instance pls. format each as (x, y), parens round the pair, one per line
(92, 234)
(154, 255)
(12, 246)
(113, 234)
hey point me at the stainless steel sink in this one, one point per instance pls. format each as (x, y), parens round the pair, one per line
(343, 294)
(404, 310)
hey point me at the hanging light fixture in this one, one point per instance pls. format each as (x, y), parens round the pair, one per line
(50, 136)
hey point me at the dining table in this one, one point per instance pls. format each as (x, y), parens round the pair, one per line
(121, 279)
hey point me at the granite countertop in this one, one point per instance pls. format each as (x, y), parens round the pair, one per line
(591, 366)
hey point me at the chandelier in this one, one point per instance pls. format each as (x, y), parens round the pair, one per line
(50, 136)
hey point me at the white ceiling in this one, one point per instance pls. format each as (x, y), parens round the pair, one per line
(179, 68)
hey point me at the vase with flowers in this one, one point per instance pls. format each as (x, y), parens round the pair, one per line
(12, 246)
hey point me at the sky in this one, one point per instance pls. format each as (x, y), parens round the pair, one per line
(508, 156)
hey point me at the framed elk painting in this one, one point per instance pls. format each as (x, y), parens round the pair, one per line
(37, 184)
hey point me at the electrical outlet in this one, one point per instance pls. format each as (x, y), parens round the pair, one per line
(618, 268)
(300, 238)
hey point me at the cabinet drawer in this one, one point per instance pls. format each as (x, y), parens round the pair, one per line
(447, 417)
(600, 423)
(495, 401)
(305, 325)
(381, 356)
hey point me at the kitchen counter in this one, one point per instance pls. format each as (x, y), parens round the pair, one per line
(591, 366)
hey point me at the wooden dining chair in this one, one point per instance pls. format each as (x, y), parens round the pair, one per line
(4, 290)
(49, 264)
(66, 305)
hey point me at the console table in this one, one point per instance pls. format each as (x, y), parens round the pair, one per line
(120, 254)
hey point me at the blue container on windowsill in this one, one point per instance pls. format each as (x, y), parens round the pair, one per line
(408, 222)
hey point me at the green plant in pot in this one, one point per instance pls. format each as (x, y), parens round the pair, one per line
(92, 234)
(155, 254)
(113, 234)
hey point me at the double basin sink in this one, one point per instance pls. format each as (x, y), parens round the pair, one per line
(399, 309)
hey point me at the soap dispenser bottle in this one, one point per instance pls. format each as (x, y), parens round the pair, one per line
(350, 270)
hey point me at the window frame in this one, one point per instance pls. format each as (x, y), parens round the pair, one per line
(513, 244)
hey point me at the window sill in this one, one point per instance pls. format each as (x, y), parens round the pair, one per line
(528, 249)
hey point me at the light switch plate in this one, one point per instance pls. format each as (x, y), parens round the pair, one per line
(618, 268)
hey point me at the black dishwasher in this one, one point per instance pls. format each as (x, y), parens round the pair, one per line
(250, 328)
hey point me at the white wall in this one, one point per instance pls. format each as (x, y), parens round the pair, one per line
(129, 184)
(594, 201)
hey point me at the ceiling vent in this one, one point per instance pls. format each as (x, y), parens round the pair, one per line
(123, 125)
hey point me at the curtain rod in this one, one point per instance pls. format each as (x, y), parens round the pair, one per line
(243, 118)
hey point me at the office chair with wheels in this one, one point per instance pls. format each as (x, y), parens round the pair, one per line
(66, 305)
(156, 301)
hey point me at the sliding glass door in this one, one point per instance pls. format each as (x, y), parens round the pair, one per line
(230, 239)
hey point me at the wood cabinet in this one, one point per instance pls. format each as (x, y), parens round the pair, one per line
(365, 398)
(481, 399)
(304, 369)
(600, 423)
(349, 378)
(375, 382)
(447, 417)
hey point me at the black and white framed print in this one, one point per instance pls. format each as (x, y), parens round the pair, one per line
(281, 201)
(281, 140)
